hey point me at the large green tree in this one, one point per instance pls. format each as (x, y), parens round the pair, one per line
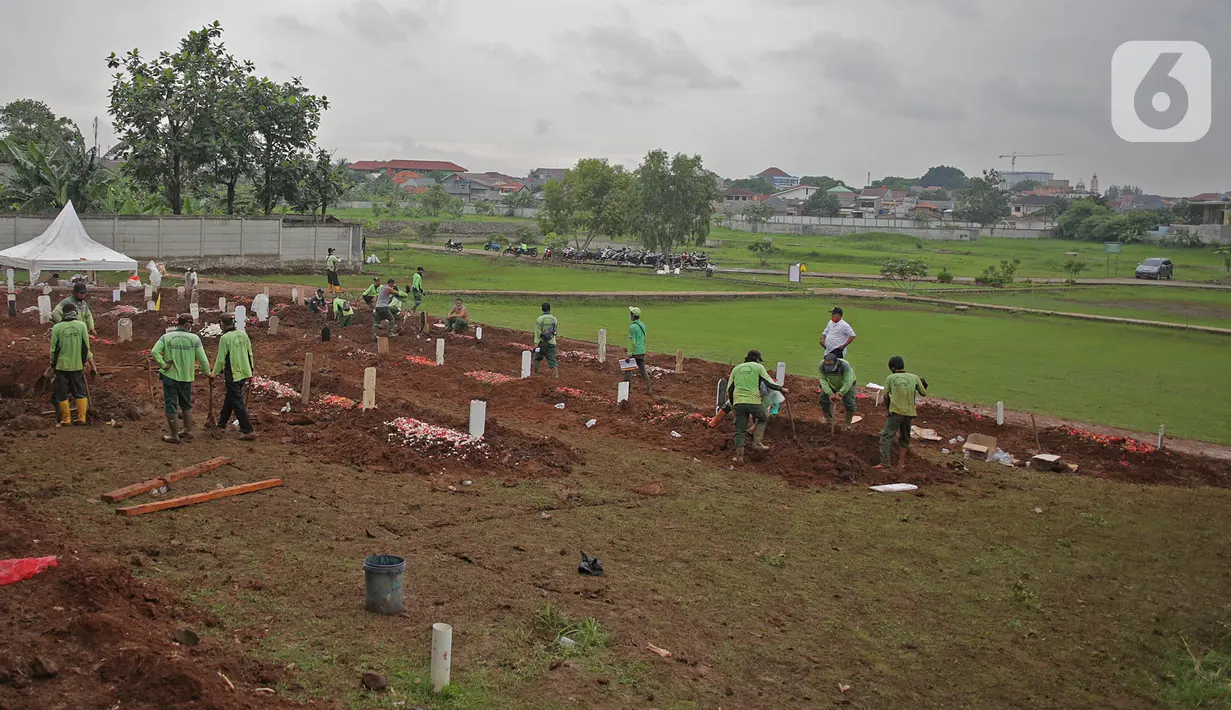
(27, 121)
(285, 117)
(556, 213)
(822, 181)
(983, 201)
(822, 204)
(163, 110)
(322, 182)
(892, 182)
(760, 186)
(673, 199)
(945, 176)
(593, 198)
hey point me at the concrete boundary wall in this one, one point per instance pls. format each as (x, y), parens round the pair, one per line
(217, 239)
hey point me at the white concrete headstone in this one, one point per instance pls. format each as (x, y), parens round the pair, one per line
(781, 374)
(440, 351)
(115, 295)
(526, 356)
(241, 318)
(621, 392)
(124, 330)
(478, 417)
(195, 311)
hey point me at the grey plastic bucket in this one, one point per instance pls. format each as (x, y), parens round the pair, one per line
(382, 576)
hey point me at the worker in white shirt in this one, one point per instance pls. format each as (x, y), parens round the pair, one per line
(838, 334)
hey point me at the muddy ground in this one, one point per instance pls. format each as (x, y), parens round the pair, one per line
(98, 620)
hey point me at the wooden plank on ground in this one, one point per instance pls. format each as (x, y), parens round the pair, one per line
(199, 497)
(146, 486)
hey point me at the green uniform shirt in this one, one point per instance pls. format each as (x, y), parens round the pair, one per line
(372, 290)
(841, 381)
(342, 307)
(235, 346)
(542, 322)
(901, 388)
(185, 350)
(416, 282)
(636, 338)
(746, 378)
(331, 263)
(83, 312)
(70, 345)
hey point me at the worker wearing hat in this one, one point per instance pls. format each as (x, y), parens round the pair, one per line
(744, 392)
(838, 334)
(78, 299)
(636, 347)
(235, 362)
(331, 271)
(70, 350)
(178, 353)
(837, 383)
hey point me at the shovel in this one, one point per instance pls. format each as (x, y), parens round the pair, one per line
(791, 417)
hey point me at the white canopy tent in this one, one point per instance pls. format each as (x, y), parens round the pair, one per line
(65, 246)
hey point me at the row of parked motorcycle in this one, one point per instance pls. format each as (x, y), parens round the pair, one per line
(623, 255)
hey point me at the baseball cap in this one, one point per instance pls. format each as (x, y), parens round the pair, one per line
(836, 309)
(634, 310)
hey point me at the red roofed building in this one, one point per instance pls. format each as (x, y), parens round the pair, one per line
(777, 177)
(420, 166)
(404, 176)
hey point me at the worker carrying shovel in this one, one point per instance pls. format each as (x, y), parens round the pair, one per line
(70, 349)
(235, 362)
(744, 392)
(837, 383)
(178, 353)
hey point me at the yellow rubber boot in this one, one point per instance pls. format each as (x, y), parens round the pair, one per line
(66, 414)
(83, 406)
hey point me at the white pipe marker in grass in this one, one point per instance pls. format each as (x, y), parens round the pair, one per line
(369, 388)
(124, 330)
(115, 295)
(781, 374)
(622, 392)
(195, 311)
(1162, 432)
(478, 418)
(602, 345)
(222, 304)
(440, 351)
(44, 309)
(442, 652)
(1000, 414)
(525, 363)
(241, 319)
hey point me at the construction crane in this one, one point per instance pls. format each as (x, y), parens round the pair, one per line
(1015, 155)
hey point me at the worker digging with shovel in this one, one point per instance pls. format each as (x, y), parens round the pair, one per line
(744, 392)
(837, 383)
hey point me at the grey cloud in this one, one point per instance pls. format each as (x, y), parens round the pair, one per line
(293, 24)
(631, 60)
(372, 21)
(542, 126)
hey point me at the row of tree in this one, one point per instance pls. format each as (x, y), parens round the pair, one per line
(196, 127)
(667, 202)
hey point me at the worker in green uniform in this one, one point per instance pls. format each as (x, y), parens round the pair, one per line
(178, 353)
(416, 287)
(331, 271)
(236, 362)
(545, 327)
(343, 313)
(369, 295)
(70, 349)
(78, 299)
(837, 383)
(900, 390)
(636, 347)
(744, 392)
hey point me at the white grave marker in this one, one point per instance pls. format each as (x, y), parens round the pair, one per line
(295, 296)
(195, 311)
(369, 388)
(622, 392)
(149, 291)
(273, 325)
(478, 417)
(115, 295)
(241, 319)
(781, 375)
(44, 309)
(150, 305)
(440, 351)
(8, 275)
(1162, 430)
(602, 345)
(478, 333)
(222, 304)
(525, 363)
(125, 330)
(1000, 414)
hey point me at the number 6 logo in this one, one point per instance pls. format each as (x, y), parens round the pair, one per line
(1161, 92)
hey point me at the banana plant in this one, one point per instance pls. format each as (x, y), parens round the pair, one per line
(49, 175)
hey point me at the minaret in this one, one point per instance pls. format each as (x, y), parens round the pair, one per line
(1094, 185)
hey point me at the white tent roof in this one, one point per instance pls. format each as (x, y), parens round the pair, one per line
(65, 246)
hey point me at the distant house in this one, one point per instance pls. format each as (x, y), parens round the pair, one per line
(799, 192)
(737, 197)
(513, 187)
(846, 196)
(1026, 205)
(481, 187)
(875, 201)
(777, 177)
(779, 205)
(1137, 203)
(376, 167)
(541, 176)
(409, 178)
(1214, 207)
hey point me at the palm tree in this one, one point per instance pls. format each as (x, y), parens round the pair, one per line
(50, 175)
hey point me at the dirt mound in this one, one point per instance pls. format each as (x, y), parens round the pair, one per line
(87, 634)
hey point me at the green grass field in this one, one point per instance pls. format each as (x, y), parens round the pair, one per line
(1172, 305)
(863, 254)
(1133, 377)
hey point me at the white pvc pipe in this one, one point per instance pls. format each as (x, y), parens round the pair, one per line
(440, 351)
(525, 364)
(1000, 414)
(442, 652)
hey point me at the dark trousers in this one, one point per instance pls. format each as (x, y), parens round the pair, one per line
(894, 424)
(68, 385)
(233, 403)
(176, 396)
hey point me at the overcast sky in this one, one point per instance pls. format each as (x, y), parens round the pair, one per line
(812, 86)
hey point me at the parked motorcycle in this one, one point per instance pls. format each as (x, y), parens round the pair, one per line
(493, 245)
(453, 245)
